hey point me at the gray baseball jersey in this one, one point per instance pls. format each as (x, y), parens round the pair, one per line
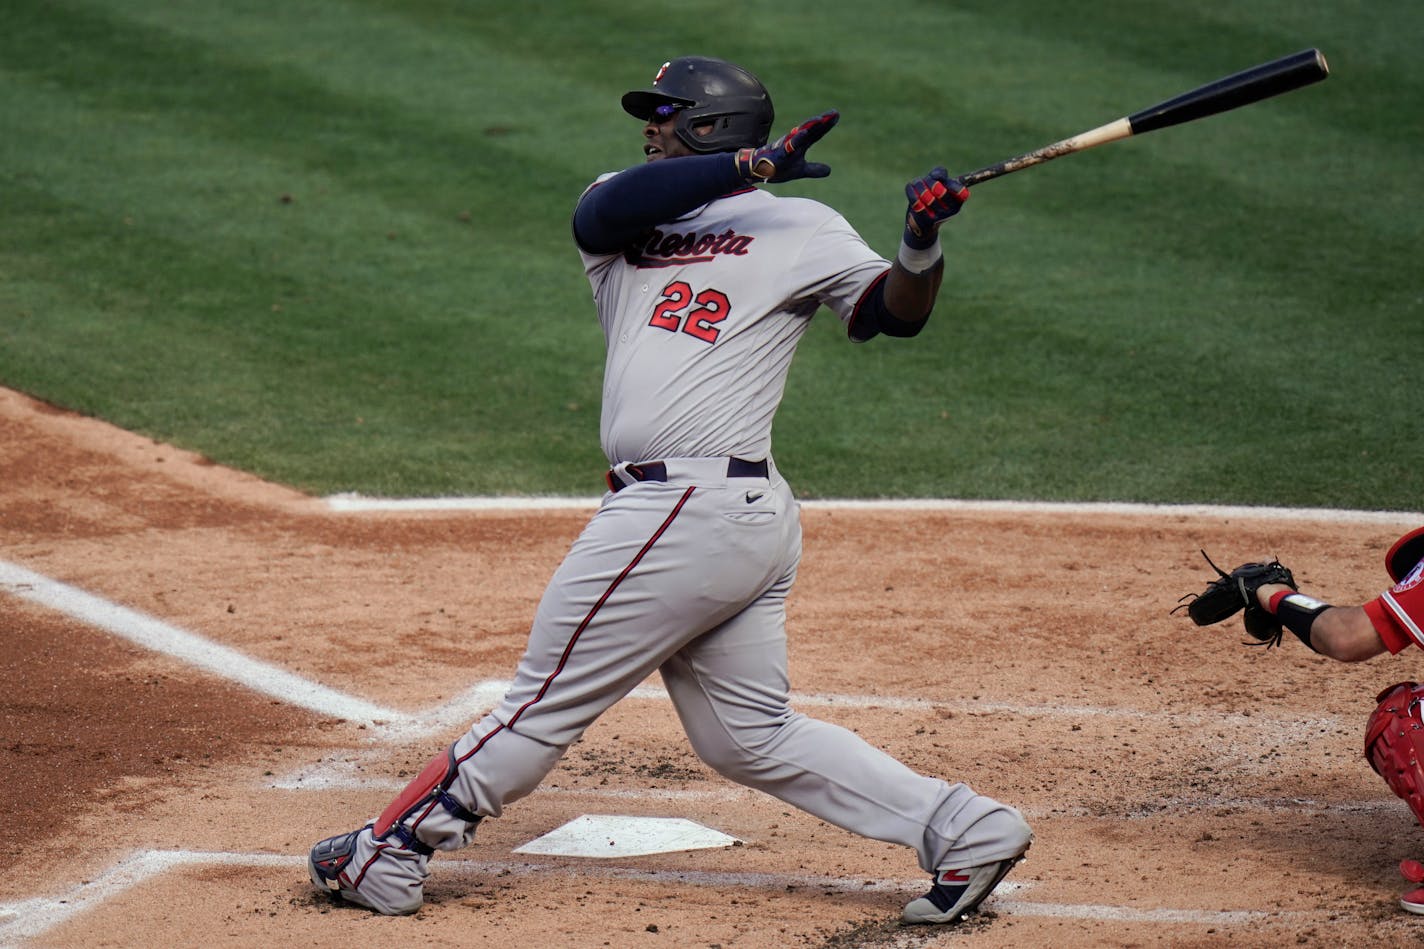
(729, 290)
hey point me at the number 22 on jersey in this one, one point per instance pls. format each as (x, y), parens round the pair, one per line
(698, 316)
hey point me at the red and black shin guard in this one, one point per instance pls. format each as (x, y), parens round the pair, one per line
(426, 804)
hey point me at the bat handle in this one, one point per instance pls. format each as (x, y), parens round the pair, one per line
(983, 174)
(1110, 132)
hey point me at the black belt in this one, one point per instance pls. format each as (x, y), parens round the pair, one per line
(657, 471)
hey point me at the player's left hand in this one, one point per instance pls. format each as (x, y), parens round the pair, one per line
(785, 158)
(934, 199)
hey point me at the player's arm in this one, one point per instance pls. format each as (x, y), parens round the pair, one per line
(910, 296)
(613, 213)
(1346, 633)
(899, 291)
(901, 305)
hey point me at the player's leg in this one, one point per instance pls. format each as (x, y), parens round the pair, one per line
(731, 690)
(576, 663)
(653, 571)
(731, 693)
(633, 588)
(1394, 747)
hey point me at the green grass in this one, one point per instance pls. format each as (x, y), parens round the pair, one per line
(327, 242)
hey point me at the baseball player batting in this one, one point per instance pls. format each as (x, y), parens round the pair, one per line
(704, 283)
(1270, 603)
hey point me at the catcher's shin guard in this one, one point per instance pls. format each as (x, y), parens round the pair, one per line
(1394, 743)
(424, 815)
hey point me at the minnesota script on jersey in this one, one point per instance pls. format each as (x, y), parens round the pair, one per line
(702, 317)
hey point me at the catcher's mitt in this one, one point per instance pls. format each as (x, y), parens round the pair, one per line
(1233, 592)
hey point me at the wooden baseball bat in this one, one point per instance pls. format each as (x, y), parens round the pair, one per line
(1243, 88)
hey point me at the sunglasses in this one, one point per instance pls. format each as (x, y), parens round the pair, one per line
(664, 112)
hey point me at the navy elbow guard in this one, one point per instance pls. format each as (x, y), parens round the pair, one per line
(874, 317)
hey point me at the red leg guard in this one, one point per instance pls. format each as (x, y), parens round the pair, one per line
(430, 790)
(1394, 743)
(416, 792)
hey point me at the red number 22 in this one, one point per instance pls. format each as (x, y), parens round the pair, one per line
(701, 322)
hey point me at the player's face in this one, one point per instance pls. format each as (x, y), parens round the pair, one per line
(660, 137)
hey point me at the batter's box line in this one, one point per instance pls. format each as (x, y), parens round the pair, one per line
(388, 726)
(345, 776)
(33, 917)
(151, 633)
(29, 918)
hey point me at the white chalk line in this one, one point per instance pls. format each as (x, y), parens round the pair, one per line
(154, 634)
(780, 882)
(30, 918)
(347, 773)
(480, 697)
(388, 726)
(356, 503)
(334, 775)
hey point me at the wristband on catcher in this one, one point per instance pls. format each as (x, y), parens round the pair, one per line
(919, 259)
(1297, 613)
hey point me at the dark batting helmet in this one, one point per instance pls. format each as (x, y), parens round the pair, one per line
(704, 91)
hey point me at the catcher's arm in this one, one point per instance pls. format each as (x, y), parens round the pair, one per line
(1270, 602)
(1345, 633)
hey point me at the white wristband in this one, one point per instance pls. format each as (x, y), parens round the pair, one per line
(918, 261)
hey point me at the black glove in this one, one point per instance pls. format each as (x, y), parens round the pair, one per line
(1230, 593)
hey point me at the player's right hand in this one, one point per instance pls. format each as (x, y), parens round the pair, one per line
(785, 158)
(934, 199)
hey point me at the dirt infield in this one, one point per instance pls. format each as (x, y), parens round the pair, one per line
(1185, 790)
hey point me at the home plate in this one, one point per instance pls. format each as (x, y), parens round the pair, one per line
(604, 835)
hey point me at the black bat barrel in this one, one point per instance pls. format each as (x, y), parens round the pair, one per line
(1243, 88)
